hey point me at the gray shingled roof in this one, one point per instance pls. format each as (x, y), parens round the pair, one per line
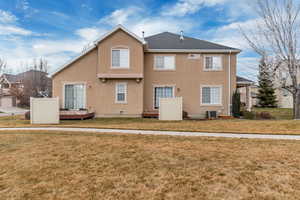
(11, 78)
(241, 79)
(167, 40)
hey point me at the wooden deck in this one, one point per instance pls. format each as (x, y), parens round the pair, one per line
(73, 115)
(150, 114)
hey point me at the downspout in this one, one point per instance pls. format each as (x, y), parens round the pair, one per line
(229, 85)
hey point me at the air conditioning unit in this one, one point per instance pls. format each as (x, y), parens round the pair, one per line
(211, 114)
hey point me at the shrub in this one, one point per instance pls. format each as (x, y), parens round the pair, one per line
(264, 115)
(249, 115)
(236, 104)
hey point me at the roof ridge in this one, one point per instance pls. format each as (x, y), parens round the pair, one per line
(193, 38)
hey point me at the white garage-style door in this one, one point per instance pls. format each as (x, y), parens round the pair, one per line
(6, 102)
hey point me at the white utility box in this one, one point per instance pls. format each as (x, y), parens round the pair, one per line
(170, 108)
(44, 110)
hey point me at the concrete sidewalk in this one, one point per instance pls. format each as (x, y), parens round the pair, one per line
(171, 133)
(8, 111)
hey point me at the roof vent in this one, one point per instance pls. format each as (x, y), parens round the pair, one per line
(181, 35)
(143, 34)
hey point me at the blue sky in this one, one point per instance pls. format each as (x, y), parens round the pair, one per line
(57, 30)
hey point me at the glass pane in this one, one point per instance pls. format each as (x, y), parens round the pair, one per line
(169, 62)
(159, 62)
(206, 95)
(215, 95)
(69, 96)
(121, 88)
(121, 97)
(116, 58)
(217, 63)
(124, 58)
(74, 96)
(208, 62)
(162, 92)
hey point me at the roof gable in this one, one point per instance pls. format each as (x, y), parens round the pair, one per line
(120, 27)
(11, 78)
(243, 80)
(92, 47)
(171, 41)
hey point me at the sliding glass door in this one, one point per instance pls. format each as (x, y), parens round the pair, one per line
(162, 92)
(74, 96)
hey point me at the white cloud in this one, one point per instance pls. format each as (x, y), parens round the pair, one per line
(22, 4)
(13, 30)
(137, 20)
(7, 17)
(8, 25)
(120, 16)
(231, 35)
(185, 7)
(91, 33)
(156, 25)
(86, 6)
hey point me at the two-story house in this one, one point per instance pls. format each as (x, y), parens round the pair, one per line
(125, 75)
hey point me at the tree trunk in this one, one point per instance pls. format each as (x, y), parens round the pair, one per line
(297, 104)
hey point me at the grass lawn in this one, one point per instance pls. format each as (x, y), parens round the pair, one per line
(229, 126)
(44, 165)
(278, 113)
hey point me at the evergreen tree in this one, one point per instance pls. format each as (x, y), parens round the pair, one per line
(236, 104)
(266, 93)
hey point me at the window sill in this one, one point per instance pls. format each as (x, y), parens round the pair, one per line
(165, 70)
(212, 70)
(208, 105)
(117, 102)
(119, 67)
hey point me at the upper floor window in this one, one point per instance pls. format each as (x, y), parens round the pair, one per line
(164, 62)
(213, 63)
(211, 95)
(120, 58)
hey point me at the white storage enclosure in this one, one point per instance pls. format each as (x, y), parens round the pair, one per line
(170, 108)
(44, 111)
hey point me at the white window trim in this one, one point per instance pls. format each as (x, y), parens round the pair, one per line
(119, 48)
(204, 63)
(84, 93)
(153, 93)
(116, 93)
(158, 69)
(211, 104)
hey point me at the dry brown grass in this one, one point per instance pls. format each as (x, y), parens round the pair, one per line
(225, 126)
(44, 165)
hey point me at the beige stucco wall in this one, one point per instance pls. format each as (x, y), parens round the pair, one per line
(100, 97)
(188, 77)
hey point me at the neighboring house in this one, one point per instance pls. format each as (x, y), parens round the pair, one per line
(125, 75)
(245, 88)
(283, 96)
(23, 81)
(7, 82)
